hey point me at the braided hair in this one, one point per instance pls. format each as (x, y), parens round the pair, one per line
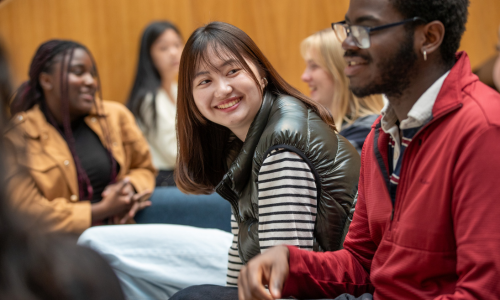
(30, 93)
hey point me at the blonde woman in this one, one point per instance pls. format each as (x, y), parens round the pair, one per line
(329, 86)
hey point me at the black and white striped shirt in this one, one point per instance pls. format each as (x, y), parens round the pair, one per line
(287, 207)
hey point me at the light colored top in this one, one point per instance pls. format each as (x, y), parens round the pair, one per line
(162, 141)
(420, 114)
(287, 207)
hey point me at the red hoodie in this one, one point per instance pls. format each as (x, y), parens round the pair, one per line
(443, 240)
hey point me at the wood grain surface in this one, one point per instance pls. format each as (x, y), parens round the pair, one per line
(111, 30)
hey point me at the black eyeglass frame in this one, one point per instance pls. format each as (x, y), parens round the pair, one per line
(369, 30)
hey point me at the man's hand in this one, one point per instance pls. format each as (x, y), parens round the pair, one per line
(271, 269)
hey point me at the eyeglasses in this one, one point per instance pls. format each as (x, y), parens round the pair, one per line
(361, 34)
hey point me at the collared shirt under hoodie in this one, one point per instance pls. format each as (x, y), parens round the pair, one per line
(441, 242)
(419, 115)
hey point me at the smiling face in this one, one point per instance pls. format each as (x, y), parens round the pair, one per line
(81, 82)
(166, 53)
(387, 66)
(319, 80)
(226, 94)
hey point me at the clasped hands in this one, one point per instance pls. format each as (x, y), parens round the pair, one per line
(120, 202)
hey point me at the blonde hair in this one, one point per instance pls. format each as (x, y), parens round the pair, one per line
(330, 56)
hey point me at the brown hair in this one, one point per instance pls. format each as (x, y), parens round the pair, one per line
(330, 56)
(203, 145)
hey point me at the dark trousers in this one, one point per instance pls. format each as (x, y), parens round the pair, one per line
(215, 292)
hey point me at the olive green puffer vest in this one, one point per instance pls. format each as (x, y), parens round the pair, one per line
(286, 122)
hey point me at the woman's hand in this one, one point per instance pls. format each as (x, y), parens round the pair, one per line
(140, 202)
(119, 199)
(271, 269)
(124, 188)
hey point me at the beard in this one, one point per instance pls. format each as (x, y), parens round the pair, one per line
(395, 73)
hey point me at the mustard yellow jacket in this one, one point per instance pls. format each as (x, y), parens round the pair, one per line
(41, 173)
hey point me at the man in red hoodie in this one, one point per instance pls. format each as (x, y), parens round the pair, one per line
(427, 220)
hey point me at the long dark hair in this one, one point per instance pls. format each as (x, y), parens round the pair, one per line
(203, 145)
(35, 266)
(147, 78)
(31, 93)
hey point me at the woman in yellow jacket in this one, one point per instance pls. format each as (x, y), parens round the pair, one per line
(77, 160)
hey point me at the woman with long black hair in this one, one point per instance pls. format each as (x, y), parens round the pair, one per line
(38, 266)
(154, 93)
(86, 161)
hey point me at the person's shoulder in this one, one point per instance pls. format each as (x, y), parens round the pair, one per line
(117, 109)
(369, 119)
(285, 112)
(27, 122)
(17, 121)
(293, 115)
(283, 101)
(113, 106)
(482, 103)
(365, 121)
(292, 122)
(290, 110)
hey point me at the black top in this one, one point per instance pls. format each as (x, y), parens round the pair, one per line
(94, 158)
(357, 132)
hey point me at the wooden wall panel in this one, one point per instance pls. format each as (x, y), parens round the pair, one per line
(111, 29)
(481, 36)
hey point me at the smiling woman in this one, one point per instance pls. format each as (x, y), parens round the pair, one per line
(329, 86)
(226, 94)
(263, 146)
(87, 162)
